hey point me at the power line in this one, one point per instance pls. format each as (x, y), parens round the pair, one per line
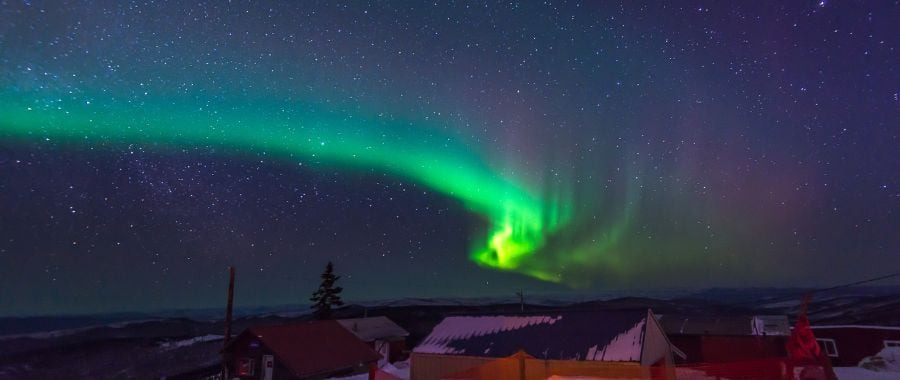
(813, 291)
(858, 282)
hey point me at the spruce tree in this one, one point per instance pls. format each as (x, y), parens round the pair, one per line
(328, 295)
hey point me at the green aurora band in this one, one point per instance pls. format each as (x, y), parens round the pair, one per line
(521, 220)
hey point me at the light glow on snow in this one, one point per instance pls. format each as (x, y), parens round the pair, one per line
(625, 347)
(454, 328)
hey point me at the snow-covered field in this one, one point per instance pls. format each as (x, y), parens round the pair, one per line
(191, 341)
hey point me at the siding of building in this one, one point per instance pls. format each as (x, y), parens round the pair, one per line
(854, 343)
(708, 339)
(454, 367)
(723, 349)
(437, 366)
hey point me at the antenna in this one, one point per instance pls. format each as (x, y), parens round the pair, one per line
(521, 295)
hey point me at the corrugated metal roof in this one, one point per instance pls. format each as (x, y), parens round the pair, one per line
(600, 335)
(373, 328)
(312, 348)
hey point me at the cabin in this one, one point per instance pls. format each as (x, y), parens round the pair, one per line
(727, 339)
(847, 345)
(307, 350)
(382, 334)
(609, 344)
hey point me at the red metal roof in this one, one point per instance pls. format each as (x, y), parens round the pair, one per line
(311, 348)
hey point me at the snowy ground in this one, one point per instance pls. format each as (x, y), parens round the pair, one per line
(399, 370)
(843, 373)
(854, 373)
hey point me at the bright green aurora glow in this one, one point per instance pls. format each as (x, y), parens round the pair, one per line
(520, 219)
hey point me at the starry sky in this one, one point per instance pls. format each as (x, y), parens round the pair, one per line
(445, 149)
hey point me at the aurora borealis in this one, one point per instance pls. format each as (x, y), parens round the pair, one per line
(444, 149)
(519, 219)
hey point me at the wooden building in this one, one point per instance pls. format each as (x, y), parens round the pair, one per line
(847, 345)
(380, 333)
(609, 344)
(307, 350)
(727, 339)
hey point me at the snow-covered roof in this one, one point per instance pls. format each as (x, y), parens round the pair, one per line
(601, 335)
(725, 325)
(855, 327)
(373, 328)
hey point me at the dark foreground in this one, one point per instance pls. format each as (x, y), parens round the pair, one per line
(169, 347)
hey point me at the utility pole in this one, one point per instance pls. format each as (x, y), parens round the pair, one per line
(228, 314)
(521, 294)
(228, 309)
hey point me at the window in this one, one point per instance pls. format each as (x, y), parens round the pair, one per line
(828, 346)
(246, 367)
(892, 343)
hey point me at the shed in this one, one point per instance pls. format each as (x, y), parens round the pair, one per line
(380, 333)
(308, 350)
(847, 345)
(566, 343)
(727, 339)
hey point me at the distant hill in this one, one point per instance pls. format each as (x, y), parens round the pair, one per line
(165, 344)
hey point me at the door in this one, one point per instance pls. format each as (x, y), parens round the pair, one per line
(268, 364)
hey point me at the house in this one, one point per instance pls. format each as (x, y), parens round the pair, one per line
(380, 333)
(523, 366)
(847, 345)
(307, 350)
(611, 344)
(727, 339)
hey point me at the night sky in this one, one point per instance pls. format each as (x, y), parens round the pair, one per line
(441, 149)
